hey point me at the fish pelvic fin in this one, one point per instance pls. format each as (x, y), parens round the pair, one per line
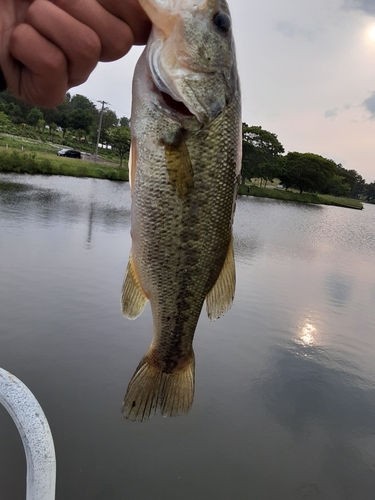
(133, 298)
(220, 298)
(152, 389)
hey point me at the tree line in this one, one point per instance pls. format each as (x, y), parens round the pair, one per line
(263, 157)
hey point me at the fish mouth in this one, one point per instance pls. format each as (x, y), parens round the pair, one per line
(177, 106)
(180, 89)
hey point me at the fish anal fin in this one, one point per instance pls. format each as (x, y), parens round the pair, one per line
(151, 389)
(133, 298)
(220, 298)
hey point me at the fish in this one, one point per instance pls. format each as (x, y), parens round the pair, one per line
(184, 168)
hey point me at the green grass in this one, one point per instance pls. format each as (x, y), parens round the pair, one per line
(41, 143)
(281, 194)
(46, 164)
(27, 145)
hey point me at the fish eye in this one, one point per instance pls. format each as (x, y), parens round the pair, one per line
(222, 22)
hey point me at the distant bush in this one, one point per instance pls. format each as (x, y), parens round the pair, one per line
(15, 162)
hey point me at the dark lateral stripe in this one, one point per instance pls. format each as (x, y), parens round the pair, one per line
(3, 83)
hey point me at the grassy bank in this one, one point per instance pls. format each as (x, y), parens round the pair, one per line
(281, 194)
(31, 163)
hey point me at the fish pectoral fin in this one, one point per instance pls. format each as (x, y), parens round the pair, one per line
(179, 167)
(220, 298)
(133, 298)
(151, 389)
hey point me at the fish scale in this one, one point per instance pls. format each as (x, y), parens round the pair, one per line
(184, 168)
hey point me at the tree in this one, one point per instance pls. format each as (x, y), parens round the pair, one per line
(109, 121)
(348, 176)
(5, 123)
(62, 119)
(16, 109)
(124, 122)
(3, 106)
(82, 103)
(52, 115)
(261, 154)
(370, 192)
(63, 122)
(52, 130)
(81, 120)
(15, 113)
(119, 139)
(34, 116)
(337, 186)
(359, 187)
(40, 126)
(307, 172)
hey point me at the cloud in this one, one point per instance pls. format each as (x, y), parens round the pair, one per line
(367, 6)
(369, 104)
(291, 30)
(331, 113)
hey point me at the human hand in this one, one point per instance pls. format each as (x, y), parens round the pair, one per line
(47, 47)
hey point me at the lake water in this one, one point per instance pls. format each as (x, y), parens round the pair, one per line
(284, 405)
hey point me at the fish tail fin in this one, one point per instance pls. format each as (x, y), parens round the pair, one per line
(151, 389)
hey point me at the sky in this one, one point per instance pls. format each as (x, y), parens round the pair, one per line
(307, 72)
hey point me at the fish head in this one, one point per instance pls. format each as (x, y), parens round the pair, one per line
(191, 54)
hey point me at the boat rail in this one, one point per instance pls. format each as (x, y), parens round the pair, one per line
(36, 436)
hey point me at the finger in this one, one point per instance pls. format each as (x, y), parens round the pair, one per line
(43, 76)
(115, 35)
(79, 43)
(132, 13)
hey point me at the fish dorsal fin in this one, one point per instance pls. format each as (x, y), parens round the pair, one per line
(133, 297)
(219, 299)
(179, 166)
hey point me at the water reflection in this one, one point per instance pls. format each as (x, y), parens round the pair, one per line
(246, 249)
(50, 202)
(320, 396)
(307, 334)
(322, 386)
(90, 224)
(338, 288)
(285, 405)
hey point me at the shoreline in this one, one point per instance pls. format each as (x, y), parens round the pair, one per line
(29, 163)
(309, 198)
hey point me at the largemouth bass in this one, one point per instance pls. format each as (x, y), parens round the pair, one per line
(184, 167)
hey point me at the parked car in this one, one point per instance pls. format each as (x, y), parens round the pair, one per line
(69, 153)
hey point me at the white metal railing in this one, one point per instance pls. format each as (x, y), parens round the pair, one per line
(35, 434)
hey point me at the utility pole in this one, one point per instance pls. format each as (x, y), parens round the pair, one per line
(99, 129)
